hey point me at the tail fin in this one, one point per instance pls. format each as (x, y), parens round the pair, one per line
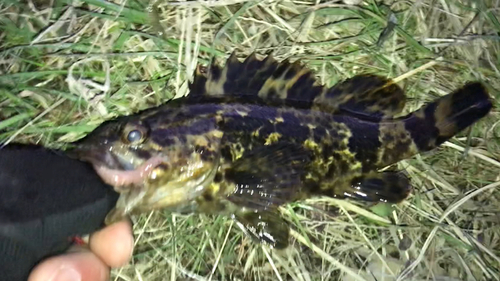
(440, 120)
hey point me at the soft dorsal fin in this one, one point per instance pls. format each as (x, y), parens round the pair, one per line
(366, 94)
(285, 83)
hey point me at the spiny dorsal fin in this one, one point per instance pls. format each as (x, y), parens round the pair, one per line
(292, 84)
(264, 80)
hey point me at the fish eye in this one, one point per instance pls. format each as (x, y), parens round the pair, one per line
(134, 136)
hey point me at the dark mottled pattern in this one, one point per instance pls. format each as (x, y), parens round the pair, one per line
(273, 172)
(215, 73)
(198, 85)
(398, 144)
(447, 116)
(417, 124)
(142, 153)
(239, 123)
(394, 184)
(177, 135)
(108, 131)
(258, 134)
(365, 142)
(292, 118)
(173, 116)
(242, 79)
(280, 70)
(365, 96)
(467, 105)
(246, 79)
(318, 133)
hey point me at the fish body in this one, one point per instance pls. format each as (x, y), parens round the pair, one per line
(257, 134)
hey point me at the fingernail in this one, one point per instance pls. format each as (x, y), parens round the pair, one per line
(66, 274)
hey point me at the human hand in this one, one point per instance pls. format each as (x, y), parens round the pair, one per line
(108, 248)
(45, 199)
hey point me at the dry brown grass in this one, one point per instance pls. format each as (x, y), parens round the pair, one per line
(65, 66)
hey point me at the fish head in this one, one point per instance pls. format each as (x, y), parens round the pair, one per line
(153, 162)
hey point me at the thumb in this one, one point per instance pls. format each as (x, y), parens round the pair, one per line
(80, 266)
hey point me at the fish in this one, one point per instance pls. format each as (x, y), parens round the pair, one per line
(256, 134)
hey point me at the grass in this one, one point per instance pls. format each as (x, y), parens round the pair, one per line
(65, 66)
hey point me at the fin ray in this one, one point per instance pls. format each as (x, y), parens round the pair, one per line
(267, 176)
(266, 227)
(284, 83)
(363, 95)
(392, 187)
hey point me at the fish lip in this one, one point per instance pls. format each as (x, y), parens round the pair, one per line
(99, 157)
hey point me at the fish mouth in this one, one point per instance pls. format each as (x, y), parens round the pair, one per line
(97, 157)
(119, 178)
(113, 169)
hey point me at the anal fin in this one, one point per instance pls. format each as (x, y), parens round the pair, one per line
(391, 187)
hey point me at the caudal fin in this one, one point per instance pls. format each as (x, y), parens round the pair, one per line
(440, 120)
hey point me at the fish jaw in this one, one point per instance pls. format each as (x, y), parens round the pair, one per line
(173, 194)
(97, 156)
(120, 178)
(167, 179)
(114, 165)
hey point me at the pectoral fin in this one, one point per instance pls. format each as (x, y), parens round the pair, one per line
(265, 227)
(267, 176)
(392, 187)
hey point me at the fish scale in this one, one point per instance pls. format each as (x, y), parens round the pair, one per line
(254, 135)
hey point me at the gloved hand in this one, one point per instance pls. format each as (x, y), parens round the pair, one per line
(108, 248)
(46, 199)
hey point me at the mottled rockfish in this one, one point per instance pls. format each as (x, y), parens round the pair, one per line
(257, 134)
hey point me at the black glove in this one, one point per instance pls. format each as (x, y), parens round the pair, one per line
(46, 199)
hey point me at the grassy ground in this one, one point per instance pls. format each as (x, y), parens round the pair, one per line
(65, 66)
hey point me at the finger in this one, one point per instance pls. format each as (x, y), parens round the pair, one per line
(80, 266)
(114, 244)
